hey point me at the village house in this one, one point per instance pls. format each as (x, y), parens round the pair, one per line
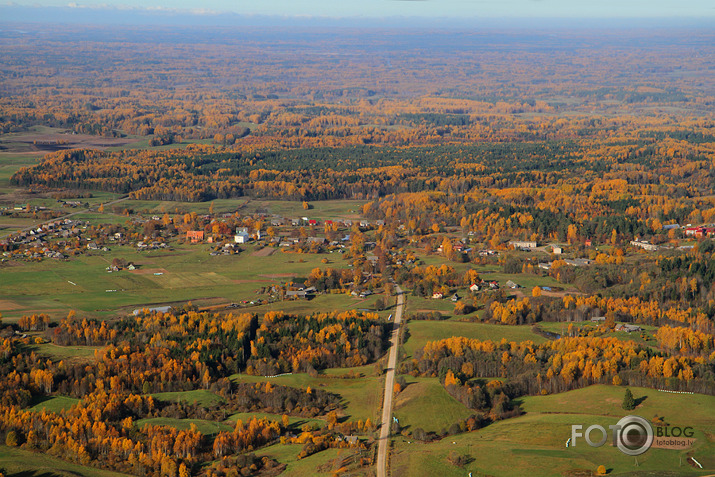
(318, 240)
(241, 237)
(700, 231)
(195, 236)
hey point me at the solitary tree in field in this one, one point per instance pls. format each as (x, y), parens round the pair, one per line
(628, 402)
(601, 470)
(11, 439)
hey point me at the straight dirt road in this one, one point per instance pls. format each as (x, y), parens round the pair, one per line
(386, 422)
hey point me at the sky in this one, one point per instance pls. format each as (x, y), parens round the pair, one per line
(458, 9)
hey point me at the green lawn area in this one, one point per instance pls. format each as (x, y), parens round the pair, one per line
(18, 462)
(55, 404)
(426, 404)
(64, 352)
(417, 304)
(321, 210)
(534, 444)
(288, 454)
(9, 165)
(294, 422)
(423, 331)
(361, 397)
(201, 396)
(161, 206)
(606, 401)
(189, 273)
(324, 302)
(645, 337)
(205, 427)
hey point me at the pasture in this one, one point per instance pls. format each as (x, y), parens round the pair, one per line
(188, 273)
(361, 396)
(19, 462)
(424, 403)
(420, 332)
(534, 443)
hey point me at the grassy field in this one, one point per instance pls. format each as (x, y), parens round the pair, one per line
(646, 337)
(189, 273)
(423, 331)
(10, 163)
(288, 454)
(361, 397)
(55, 404)
(534, 444)
(64, 352)
(321, 210)
(424, 403)
(295, 423)
(332, 302)
(21, 463)
(205, 427)
(159, 207)
(200, 396)
(606, 401)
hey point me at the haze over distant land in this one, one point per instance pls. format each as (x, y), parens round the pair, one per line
(408, 13)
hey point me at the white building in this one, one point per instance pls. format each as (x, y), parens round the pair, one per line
(522, 244)
(644, 245)
(241, 237)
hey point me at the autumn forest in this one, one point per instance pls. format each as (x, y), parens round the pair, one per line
(205, 232)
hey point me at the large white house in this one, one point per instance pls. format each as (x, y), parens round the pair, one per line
(241, 237)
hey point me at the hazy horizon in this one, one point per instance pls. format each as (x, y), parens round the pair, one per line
(396, 13)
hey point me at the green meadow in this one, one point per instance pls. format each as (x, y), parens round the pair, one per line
(361, 396)
(18, 462)
(420, 332)
(187, 272)
(534, 443)
(325, 463)
(645, 337)
(200, 396)
(295, 423)
(425, 404)
(55, 404)
(203, 426)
